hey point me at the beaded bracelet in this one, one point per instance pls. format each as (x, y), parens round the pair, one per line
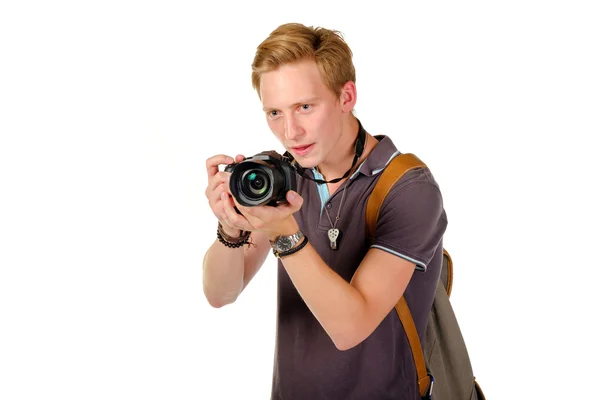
(231, 241)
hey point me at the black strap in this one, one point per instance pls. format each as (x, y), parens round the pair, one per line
(359, 147)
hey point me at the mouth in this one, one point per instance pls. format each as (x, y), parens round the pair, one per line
(302, 150)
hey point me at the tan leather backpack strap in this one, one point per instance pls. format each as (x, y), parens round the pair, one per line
(450, 272)
(399, 165)
(415, 344)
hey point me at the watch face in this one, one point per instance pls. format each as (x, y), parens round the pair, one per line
(284, 243)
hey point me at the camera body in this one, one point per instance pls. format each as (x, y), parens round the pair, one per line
(263, 179)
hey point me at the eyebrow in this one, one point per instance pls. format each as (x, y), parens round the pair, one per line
(299, 103)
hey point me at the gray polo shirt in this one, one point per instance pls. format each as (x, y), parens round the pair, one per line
(411, 225)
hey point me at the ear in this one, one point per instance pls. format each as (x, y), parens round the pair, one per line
(348, 96)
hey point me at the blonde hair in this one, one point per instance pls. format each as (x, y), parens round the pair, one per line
(295, 42)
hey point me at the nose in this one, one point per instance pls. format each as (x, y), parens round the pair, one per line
(292, 128)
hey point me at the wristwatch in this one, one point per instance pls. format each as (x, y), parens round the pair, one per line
(285, 243)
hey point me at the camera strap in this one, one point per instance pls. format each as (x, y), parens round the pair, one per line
(359, 147)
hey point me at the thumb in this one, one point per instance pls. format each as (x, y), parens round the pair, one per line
(294, 199)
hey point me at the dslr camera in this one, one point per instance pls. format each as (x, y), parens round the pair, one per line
(262, 179)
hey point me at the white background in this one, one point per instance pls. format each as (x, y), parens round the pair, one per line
(108, 111)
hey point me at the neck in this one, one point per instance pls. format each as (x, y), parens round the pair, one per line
(340, 159)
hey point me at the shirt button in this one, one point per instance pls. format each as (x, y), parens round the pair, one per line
(328, 205)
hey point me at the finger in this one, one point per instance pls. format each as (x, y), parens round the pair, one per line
(223, 214)
(219, 212)
(257, 215)
(250, 214)
(239, 158)
(294, 203)
(294, 200)
(237, 221)
(212, 163)
(214, 194)
(225, 221)
(214, 197)
(220, 178)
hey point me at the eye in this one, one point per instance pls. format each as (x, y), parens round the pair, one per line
(305, 107)
(273, 113)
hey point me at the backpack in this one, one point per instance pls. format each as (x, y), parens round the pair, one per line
(443, 359)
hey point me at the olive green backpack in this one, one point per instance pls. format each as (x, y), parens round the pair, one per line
(443, 366)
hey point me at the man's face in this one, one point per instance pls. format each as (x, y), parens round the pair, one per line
(301, 111)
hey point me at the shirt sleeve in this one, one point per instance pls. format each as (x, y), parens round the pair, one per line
(412, 220)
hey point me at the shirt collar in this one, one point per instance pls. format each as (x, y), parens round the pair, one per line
(383, 152)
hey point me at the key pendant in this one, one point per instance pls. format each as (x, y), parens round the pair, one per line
(333, 235)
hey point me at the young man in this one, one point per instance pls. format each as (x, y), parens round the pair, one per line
(338, 335)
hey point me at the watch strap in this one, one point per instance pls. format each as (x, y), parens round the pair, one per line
(295, 238)
(293, 249)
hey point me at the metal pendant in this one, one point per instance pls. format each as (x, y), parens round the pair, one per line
(333, 235)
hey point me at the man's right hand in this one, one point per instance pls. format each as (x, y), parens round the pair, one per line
(218, 183)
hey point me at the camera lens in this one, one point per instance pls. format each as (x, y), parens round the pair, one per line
(262, 179)
(255, 183)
